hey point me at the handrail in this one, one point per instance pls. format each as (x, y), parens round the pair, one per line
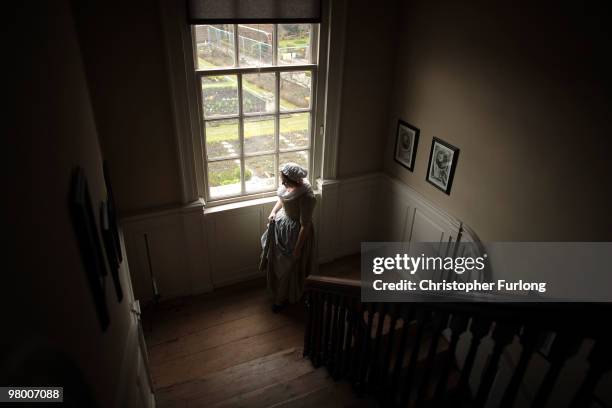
(333, 283)
(552, 315)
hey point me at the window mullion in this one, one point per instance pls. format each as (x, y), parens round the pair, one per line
(275, 45)
(276, 124)
(236, 42)
(314, 45)
(241, 135)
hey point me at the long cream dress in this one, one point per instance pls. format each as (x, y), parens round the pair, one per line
(285, 273)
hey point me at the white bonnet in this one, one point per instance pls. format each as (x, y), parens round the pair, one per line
(294, 171)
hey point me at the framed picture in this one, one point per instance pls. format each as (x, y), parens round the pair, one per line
(90, 245)
(109, 244)
(112, 212)
(406, 143)
(442, 162)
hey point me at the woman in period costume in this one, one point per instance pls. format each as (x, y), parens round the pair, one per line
(288, 244)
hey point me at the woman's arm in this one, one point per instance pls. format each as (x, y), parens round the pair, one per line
(304, 229)
(277, 206)
(307, 205)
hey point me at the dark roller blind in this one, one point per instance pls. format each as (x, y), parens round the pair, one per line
(253, 11)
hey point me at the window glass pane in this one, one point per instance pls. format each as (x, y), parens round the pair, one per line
(295, 90)
(255, 44)
(222, 139)
(258, 93)
(294, 130)
(258, 134)
(300, 158)
(259, 173)
(220, 95)
(224, 178)
(294, 44)
(214, 46)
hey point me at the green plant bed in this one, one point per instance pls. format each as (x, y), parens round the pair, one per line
(225, 131)
(228, 176)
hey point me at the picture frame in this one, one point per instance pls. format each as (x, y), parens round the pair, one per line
(442, 164)
(90, 245)
(112, 211)
(110, 247)
(406, 144)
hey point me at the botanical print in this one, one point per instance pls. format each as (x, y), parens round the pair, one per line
(406, 143)
(442, 162)
(441, 165)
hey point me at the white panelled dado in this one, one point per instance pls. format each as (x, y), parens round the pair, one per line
(402, 214)
(192, 249)
(168, 248)
(233, 238)
(134, 367)
(345, 215)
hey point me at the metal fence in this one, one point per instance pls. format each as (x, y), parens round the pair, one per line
(223, 41)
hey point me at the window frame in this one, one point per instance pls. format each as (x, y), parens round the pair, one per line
(277, 69)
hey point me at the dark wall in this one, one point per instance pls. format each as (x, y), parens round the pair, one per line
(45, 299)
(123, 49)
(366, 85)
(523, 89)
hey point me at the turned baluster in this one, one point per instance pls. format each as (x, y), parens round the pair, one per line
(339, 337)
(529, 341)
(479, 328)
(349, 339)
(327, 317)
(600, 360)
(317, 328)
(309, 318)
(359, 331)
(458, 325)
(373, 381)
(423, 318)
(502, 336)
(440, 321)
(564, 346)
(388, 351)
(365, 356)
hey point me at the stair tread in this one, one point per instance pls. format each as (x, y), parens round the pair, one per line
(240, 379)
(279, 392)
(333, 395)
(283, 379)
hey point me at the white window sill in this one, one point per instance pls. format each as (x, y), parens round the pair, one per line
(215, 208)
(221, 207)
(199, 205)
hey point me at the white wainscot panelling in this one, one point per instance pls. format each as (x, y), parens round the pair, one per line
(170, 247)
(406, 216)
(191, 250)
(327, 209)
(355, 214)
(234, 240)
(425, 230)
(390, 215)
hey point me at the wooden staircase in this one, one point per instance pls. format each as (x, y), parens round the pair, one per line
(406, 354)
(283, 379)
(227, 349)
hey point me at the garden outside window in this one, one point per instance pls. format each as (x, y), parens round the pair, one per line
(256, 103)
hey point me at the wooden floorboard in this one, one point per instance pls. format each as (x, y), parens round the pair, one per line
(237, 380)
(227, 349)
